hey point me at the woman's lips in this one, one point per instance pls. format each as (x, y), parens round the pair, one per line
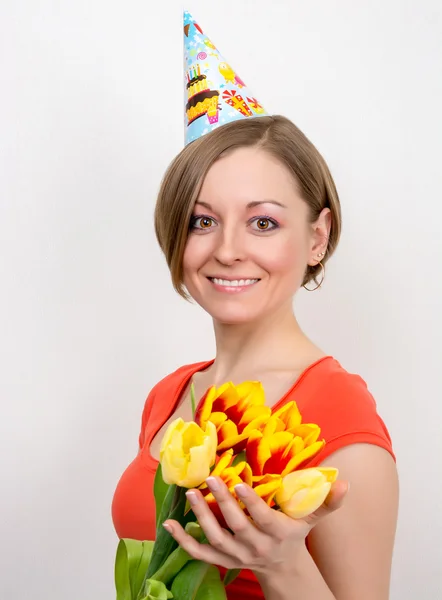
(232, 286)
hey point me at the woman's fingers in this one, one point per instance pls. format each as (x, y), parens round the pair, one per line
(333, 501)
(267, 520)
(250, 542)
(218, 538)
(244, 530)
(204, 552)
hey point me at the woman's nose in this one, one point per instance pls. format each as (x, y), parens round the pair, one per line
(230, 247)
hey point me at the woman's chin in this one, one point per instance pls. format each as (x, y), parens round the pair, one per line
(236, 316)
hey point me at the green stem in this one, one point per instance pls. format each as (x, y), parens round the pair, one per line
(179, 557)
(192, 399)
(173, 565)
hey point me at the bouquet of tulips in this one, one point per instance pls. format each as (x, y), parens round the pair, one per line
(236, 437)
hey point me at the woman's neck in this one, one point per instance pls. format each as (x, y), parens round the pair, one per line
(246, 351)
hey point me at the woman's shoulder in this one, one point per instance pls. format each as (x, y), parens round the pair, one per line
(328, 379)
(341, 403)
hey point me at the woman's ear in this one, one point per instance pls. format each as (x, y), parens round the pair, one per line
(320, 235)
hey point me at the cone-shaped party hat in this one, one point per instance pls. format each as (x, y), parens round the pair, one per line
(214, 93)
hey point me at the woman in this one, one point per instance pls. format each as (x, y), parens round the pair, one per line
(246, 215)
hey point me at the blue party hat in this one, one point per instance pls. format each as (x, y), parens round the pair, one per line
(214, 93)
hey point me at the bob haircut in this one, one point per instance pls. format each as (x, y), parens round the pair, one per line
(183, 179)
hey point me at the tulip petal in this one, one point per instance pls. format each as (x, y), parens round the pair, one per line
(298, 459)
(257, 452)
(257, 423)
(295, 447)
(174, 426)
(223, 462)
(173, 465)
(205, 407)
(297, 480)
(306, 501)
(308, 431)
(268, 487)
(198, 468)
(228, 429)
(251, 392)
(278, 444)
(312, 437)
(192, 435)
(289, 414)
(246, 474)
(236, 442)
(253, 417)
(226, 398)
(274, 424)
(217, 418)
(246, 394)
(230, 477)
(188, 453)
(330, 473)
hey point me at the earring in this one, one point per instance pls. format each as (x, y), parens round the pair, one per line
(320, 255)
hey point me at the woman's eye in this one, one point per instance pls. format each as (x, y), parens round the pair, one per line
(202, 222)
(263, 224)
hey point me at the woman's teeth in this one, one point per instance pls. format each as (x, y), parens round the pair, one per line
(234, 282)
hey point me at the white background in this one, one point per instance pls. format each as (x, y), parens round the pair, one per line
(90, 116)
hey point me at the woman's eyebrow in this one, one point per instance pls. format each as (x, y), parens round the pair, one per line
(268, 201)
(249, 205)
(205, 204)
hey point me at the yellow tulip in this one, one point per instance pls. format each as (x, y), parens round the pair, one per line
(187, 453)
(302, 492)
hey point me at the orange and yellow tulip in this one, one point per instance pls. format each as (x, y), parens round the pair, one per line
(235, 411)
(275, 443)
(231, 474)
(277, 450)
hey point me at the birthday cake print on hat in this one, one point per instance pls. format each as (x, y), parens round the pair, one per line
(214, 92)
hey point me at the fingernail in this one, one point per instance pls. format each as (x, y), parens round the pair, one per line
(213, 484)
(167, 527)
(240, 490)
(192, 497)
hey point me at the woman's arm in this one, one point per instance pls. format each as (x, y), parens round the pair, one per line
(352, 545)
(351, 550)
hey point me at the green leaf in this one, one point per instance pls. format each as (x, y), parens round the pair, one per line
(179, 557)
(239, 458)
(212, 588)
(155, 590)
(160, 490)
(186, 583)
(230, 575)
(173, 508)
(131, 563)
(192, 399)
(198, 581)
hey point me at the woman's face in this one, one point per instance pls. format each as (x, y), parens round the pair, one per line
(250, 239)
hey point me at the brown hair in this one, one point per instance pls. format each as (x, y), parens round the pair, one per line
(277, 135)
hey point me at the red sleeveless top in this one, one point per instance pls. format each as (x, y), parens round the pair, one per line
(326, 394)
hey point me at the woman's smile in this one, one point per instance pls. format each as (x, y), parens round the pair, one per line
(232, 286)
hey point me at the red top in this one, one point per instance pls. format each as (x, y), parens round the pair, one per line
(325, 393)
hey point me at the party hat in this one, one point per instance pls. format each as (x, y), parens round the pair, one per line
(214, 93)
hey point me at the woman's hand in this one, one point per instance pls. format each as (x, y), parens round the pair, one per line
(270, 544)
